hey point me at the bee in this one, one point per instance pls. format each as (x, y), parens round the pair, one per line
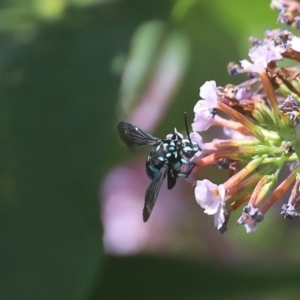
(164, 160)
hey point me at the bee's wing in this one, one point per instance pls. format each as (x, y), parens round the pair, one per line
(153, 191)
(135, 138)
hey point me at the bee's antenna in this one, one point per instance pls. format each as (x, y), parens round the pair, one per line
(186, 126)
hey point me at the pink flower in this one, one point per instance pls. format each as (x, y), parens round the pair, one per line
(211, 198)
(122, 201)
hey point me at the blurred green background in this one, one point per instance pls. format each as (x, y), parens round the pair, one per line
(62, 91)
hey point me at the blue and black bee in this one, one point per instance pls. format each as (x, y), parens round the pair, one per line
(165, 159)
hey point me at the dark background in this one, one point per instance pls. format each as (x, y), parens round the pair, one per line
(61, 64)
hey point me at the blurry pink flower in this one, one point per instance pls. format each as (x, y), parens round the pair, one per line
(123, 194)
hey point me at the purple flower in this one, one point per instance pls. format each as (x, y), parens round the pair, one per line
(253, 68)
(295, 43)
(261, 56)
(232, 134)
(251, 215)
(196, 137)
(289, 211)
(243, 93)
(296, 23)
(250, 224)
(204, 109)
(267, 52)
(273, 33)
(276, 4)
(211, 198)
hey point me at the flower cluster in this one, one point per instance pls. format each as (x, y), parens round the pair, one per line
(263, 129)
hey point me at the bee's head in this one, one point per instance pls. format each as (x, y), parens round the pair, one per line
(189, 147)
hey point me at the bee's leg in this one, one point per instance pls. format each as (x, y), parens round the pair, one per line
(174, 136)
(233, 167)
(187, 172)
(172, 176)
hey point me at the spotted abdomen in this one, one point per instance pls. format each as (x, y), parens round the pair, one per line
(166, 152)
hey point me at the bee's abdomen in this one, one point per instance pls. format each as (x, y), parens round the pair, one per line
(166, 152)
